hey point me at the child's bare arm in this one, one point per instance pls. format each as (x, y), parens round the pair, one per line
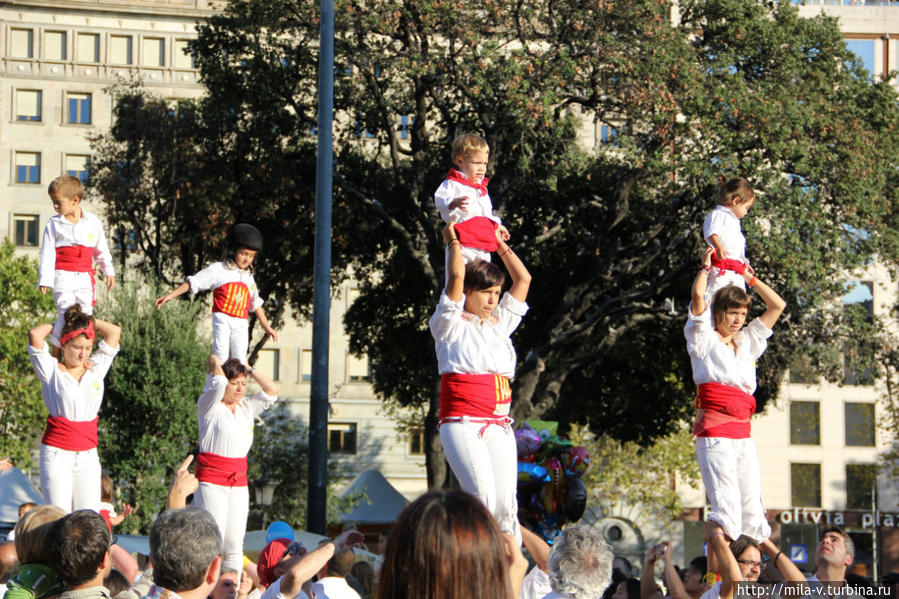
(260, 316)
(179, 290)
(716, 243)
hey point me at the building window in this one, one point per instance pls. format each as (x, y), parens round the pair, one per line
(76, 165)
(28, 167)
(182, 56)
(805, 485)
(342, 437)
(860, 479)
(26, 226)
(21, 43)
(306, 365)
(269, 363)
(608, 135)
(417, 441)
(55, 45)
(859, 421)
(153, 52)
(120, 49)
(805, 423)
(864, 49)
(28, 105)
(357, 369)
(88, 49)
(79, 107)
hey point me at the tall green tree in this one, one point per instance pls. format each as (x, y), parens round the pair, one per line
(22, 307)
(610, 231)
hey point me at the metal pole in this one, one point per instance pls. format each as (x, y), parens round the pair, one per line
(316, 506)
(874, 552)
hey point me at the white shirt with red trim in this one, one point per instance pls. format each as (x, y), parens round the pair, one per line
(478, 205)
(220, 273)
(78, 401)
(715, 362)
(466, 344)
(223, 432)
(725, 224)
(59, 232)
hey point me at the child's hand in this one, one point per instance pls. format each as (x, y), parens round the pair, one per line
(272, 334)
(159, 302)
(461, 203)
(44, 290)
(5, 465)
(721, 253)
(750, 270)
(503, 233)
(110, 283)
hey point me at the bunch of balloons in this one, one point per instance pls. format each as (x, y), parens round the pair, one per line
(550, 489)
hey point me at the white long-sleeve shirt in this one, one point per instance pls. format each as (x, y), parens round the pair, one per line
(223, 432)
(725, 224)
(466, 344)
(716, 362)
(59, 232)
(64, 396)
(478, 205)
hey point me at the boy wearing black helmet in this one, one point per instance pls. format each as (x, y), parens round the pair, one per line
(234, 295)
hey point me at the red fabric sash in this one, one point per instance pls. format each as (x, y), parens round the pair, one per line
(454, 175)
(477, 232)
(78, 258)
(232, 299)
(724, 411)
(219, 470)
(729, 264)
(475, 395)
(70, 434)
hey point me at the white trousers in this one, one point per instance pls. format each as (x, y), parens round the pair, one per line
(70, 288)
(70, 480)
(229, 507)
(732, 478)
(486, 466)
(719, 279)
(230, 338)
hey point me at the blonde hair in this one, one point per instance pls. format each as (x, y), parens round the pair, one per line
(106, 491)
(66, 186)
(467, 143)
(33, 534)
(734, 191)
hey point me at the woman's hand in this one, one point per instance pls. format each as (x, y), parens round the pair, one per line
(707, 256)
(449, 234)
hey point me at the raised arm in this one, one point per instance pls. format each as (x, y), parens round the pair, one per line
(183, 484)
(774, 303)
(268, 386)
(536, 546)
(37, 335)
(521, 278)
(213, 366)
(728, 567)
(700, 283)
(179, 290)
(111, 333)
(300, 568)
(648, 587)
(672, 579)
(782, 562)
(455, 269)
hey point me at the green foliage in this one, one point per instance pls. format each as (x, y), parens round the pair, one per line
(279, 458)
(623, 475)
(148, 421)
(22, 307)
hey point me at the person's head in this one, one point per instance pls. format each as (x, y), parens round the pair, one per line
(364, 574)
(749, 557)
(382, 541)
(694, 574)
(835, 549)
(730, 305)
(106, 494)
(9, 561)
(226, 587)
(65, 192)
(470, 155)
(341, 563)
(236, 372)
(25, 507)
(81, 543)
(629, 588)
(115, 582)
(270, 566)
(246, 241)
(482, 287)
(438, 530)
(580, 563)
(34, 534)
(185, 549)
(623, 565)
(77, 339)
(736, 194)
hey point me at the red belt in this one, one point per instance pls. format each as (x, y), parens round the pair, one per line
(474, 395)
(78, 258)
(232, 299)
(71, 435)
(729, 264)
(477, 232)
(724, 411)
(219, 470)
